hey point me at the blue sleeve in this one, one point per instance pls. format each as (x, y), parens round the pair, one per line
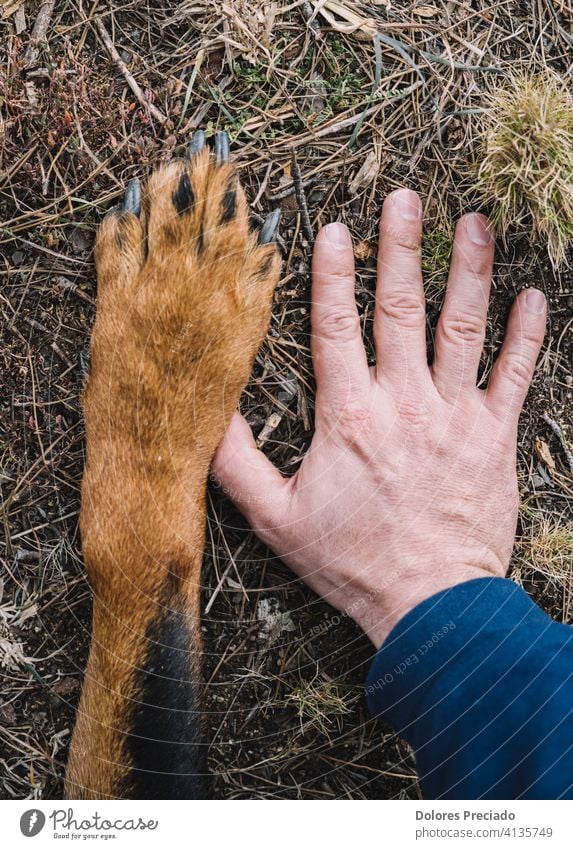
(479, 681)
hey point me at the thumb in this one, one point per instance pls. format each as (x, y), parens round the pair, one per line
(249, 479)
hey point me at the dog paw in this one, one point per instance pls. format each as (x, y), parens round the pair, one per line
(184, 295)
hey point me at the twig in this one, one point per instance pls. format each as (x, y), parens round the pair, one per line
(33, 50)
(334, 127)
(270, 425)
(198, 116)
(290, 190)
(39, 33)
(309, 14)
(559, 434)
(301, 198)
(232, 563)
(70, 286)
(114, 55)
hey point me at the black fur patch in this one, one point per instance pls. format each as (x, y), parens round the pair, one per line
(229, 204)
(164, 744)
(183, 197)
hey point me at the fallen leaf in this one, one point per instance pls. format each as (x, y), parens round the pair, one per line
(20, 20)
(544, 454)
(364, 250)
(10, 7)
(366, 175)
(426, 11)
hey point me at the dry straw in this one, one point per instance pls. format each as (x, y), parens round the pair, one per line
(525, 163)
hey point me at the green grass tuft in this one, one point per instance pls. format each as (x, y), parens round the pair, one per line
(436, 254)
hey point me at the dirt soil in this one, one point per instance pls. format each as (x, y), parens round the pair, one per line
(325, 116)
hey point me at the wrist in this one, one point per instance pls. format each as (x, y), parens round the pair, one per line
(385, 608)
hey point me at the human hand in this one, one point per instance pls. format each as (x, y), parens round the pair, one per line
(409, 486)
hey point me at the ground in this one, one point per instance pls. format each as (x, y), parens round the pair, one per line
(326, 114)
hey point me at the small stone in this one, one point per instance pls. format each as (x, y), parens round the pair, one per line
(79, 240)
(39, 718)
(7, 715)
(66, 686)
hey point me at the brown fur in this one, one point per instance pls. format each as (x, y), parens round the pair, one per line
(183, 304)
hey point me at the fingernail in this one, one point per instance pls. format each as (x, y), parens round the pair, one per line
(535, 301)
(336, 234)
(477, 228)
(408, 204)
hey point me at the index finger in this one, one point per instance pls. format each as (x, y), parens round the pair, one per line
(339, 358)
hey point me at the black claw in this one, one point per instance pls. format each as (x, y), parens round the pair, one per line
(270, 227)
(132, 197)
(196, 144)
(221, 147)
(184, 198)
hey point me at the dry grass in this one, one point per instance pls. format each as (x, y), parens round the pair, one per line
(525, 161)
(544, 557)
(320, 704)
(369, 97)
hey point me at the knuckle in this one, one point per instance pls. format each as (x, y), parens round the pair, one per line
(407, 244)
(353, 423)
(533, 335)
(414, 414)
(404, 308)
(340, 323)
(401, 241)
(517, 368)
(463, 327)
(341, 272)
